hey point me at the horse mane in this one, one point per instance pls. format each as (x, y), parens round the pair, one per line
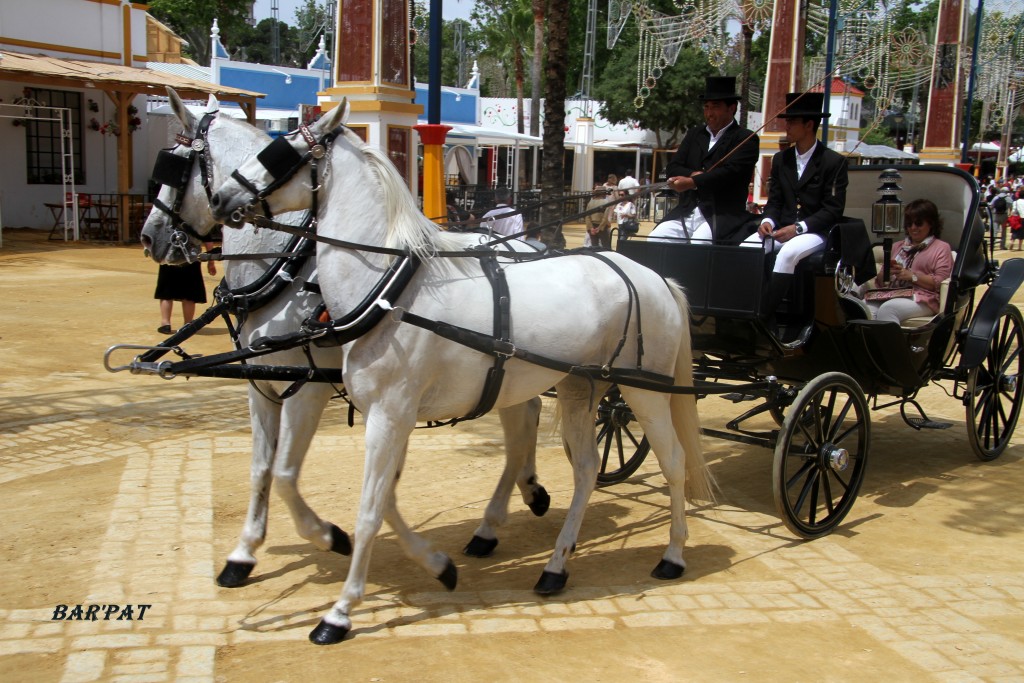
(407, 227)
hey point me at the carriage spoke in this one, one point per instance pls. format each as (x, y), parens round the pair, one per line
(632, 438)
(618, 446)
(828, 490)
(840, 419)
(810, 487)
(799, 474)
(607, 447)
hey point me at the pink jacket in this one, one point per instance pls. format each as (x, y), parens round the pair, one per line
(935, 260)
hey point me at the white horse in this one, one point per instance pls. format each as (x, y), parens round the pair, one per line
(282, 428)
(581, 309)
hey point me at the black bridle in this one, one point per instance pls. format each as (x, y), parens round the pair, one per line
(174, 170)
(282, 162)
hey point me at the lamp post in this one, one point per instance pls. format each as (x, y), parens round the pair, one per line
(433, 132)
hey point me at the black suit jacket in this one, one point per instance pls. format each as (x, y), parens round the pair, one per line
(818, 197)
(722, 186)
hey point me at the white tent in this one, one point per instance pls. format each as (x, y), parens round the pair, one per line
(985, 148)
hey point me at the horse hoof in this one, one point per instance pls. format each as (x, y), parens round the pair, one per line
(551, 583)
(234, 574)
(666, 571)
(327, 634)
(480, 547)
(340, 542)
(541, 501)
(450, 576)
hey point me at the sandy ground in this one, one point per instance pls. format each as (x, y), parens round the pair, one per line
(130, 490)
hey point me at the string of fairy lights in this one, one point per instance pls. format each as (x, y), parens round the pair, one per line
(885, 60)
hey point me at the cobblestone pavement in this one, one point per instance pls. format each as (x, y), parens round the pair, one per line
(130, 490)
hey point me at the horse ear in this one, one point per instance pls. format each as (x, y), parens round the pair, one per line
(332, 119)
(188, 121)
(212, 104)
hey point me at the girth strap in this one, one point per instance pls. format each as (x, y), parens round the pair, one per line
(502, 323)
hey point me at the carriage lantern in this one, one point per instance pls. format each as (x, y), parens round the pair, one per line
(887, 214)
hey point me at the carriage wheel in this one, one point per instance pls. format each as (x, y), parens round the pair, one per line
(993, 391)
(620, 439)
(821, 455)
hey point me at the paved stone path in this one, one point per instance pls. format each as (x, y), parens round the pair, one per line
(922, 581)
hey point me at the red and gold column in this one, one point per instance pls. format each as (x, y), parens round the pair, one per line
(946, 93)
(372, 70)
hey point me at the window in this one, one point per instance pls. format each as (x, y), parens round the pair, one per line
(42, 138)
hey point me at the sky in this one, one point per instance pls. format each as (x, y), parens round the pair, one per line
(451, 9)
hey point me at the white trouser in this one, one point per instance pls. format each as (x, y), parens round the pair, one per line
(898, 310)
(789, 253)
(692, 227)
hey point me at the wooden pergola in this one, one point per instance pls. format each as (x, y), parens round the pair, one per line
(121, 84)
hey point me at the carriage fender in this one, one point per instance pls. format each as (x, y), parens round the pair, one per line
(983, 325)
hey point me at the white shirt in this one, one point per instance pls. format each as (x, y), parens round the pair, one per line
(510, 225)
(715, 137)
(803, 159)
(624, 210)
(629, 183)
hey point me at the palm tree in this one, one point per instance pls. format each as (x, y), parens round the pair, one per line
(507, 38)
(553, 167)
(539, 7)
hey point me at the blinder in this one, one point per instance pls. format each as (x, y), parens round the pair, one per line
(279, 158)
(172, 170)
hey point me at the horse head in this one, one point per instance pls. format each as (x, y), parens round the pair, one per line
(189, 173)
(271, 182)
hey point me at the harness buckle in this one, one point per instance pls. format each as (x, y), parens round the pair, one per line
(606, 371)
(504, 348)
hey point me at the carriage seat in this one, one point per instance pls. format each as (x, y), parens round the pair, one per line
(879, 254)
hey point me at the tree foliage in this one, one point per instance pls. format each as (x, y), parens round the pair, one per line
(672, 106)
(193, 19)
(452, 32)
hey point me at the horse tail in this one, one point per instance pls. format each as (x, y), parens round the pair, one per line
(700, 484)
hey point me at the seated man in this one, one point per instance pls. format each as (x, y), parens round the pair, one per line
(710, 170)
(503, 220)
(806, 197)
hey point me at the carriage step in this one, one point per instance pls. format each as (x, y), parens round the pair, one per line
(923, 423)
(739, 397)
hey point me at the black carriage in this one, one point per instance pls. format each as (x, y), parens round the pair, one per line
(820, 394)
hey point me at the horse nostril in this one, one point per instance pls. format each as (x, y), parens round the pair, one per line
(147, 242)
(215, 200)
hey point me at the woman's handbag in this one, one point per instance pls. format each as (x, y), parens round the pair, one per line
(1014, 222)
(886, 294)
(630, 226)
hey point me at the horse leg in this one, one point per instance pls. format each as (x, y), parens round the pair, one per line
(387, 438)
(300, 417)
(653, 412)
(265, 418)
(577, 399)
(519, 423)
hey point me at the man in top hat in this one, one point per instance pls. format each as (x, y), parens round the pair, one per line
(711, 171)
(806, 197)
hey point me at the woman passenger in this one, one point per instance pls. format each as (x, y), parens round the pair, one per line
(919, 265)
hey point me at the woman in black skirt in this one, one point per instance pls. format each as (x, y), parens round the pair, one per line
(184, 284)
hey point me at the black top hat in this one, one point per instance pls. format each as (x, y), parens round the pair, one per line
(804, 105)
(720, 88)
